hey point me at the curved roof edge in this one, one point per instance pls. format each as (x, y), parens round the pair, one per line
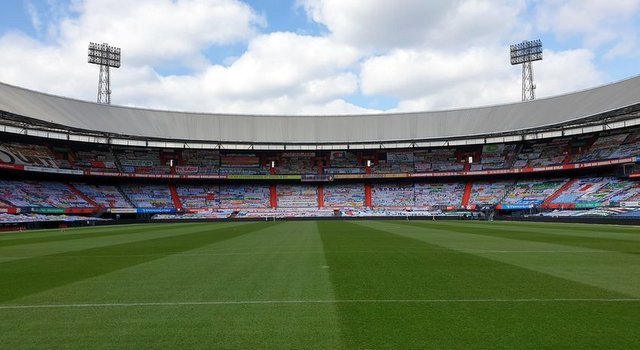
(549, 112)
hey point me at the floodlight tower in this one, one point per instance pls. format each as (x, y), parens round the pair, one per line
(525, 53)
(105, 56)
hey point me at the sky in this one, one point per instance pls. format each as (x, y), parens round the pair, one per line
(315, 57)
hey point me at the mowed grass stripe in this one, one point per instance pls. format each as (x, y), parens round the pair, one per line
(577, 230)
(23, 277)
(629, 301)
(71, 234)
(613, 271)
(399, 270)
(610, 230)
(558, 235)
(56, 248)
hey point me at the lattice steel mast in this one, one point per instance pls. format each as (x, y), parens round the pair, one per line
(105, 56)
(525, 53)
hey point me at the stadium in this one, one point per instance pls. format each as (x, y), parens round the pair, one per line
(242, 282)
(341, 188)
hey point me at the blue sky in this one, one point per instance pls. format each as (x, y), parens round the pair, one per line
(316, 56)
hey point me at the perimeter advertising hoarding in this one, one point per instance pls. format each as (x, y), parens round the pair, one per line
(264, 177)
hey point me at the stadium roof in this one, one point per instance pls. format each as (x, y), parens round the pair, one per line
(35, 108)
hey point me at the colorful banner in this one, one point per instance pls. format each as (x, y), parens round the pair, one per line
(316, 178)
(155, 210)
(514, 206)
(264, 177)
(123, 210)
(187, 169)
(48, 210)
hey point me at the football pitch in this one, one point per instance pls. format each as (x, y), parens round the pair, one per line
(322, 285)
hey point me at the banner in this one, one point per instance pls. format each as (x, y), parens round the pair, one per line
(155, 210)
(316, 178)
(123, 210)
(514, 206)
(48, 210)
(187, 169)
(136, 162)
(264, 177)
(53, 170)
(298, 154)
(587, 205)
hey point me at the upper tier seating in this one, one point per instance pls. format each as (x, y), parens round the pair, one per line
(27, 154)
(543, 153)
(141, 160)
(206, 161)
(496, 156)
(100, 159)
(437, 159)
(297, 163)
(396, 162)
(602, 148)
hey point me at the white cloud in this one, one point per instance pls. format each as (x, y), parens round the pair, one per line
(382, 24)
(288, 70)
(34, 16)
(596, 23)
(566, 71)
(153, 31)
(428, 80)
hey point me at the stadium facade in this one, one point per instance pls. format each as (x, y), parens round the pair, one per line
(575, 151)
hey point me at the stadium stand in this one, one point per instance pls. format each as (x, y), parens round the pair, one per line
(393, 195)
(496, 156)
(417, 168)
(530, 193)
(142, 161)
(108, 196)
(297, 163)
(485, 193)
(591, 192)
(439, 194)
(542, 153)
(148, 196)
(27, 154)
(99, 159)
(199, 162)
(396, 162)
(297, 196)
(199, 196)
(40, 194)
(244, 196)
(346, 195)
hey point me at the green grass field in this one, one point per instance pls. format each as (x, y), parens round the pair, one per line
(322, 285)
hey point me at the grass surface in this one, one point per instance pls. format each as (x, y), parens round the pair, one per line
(322, 285)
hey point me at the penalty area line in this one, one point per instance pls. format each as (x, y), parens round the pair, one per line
(285, 302)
